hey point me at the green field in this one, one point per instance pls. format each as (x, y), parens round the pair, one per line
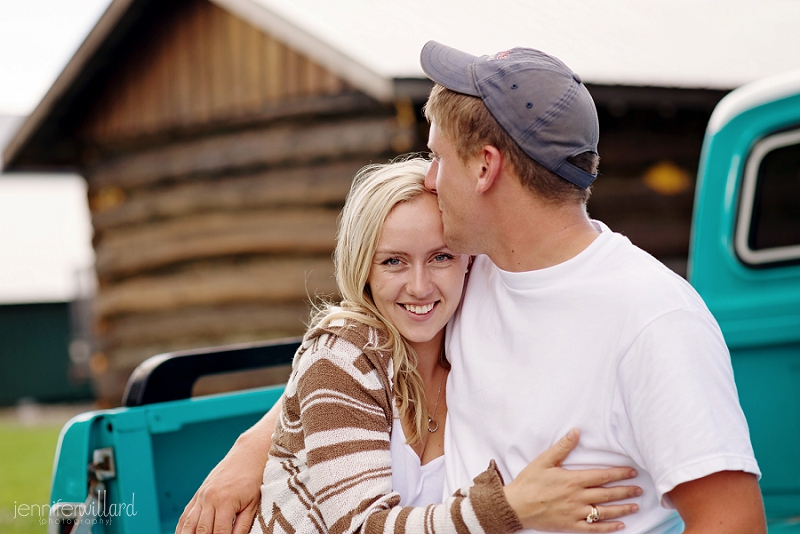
(26, 462)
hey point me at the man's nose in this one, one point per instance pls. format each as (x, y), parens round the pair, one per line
(430, 177)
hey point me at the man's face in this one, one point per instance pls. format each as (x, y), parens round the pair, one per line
(449, 177)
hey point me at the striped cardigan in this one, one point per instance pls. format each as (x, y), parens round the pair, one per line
(329, 467)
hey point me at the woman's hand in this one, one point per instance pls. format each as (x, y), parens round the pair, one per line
(547, 497)
(233, 488)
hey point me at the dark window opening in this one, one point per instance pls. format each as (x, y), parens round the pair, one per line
(775, 218)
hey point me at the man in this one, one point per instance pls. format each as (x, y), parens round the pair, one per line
(564, 323)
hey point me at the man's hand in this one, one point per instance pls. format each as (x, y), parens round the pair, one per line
(233, 488)
(547, 497)
(727, 502)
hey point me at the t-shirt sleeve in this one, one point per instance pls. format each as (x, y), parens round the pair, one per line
(677, 387)
(345, 418)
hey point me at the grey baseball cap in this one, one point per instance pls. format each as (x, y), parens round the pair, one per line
(535, 98)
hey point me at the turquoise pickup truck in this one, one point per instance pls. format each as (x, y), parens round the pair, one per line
(146, 460)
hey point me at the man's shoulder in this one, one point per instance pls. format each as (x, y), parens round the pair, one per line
(639, 266)
(642, 283)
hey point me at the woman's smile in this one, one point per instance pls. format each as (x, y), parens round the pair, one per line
(420, 310)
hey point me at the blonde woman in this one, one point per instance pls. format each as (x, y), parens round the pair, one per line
(359, 443)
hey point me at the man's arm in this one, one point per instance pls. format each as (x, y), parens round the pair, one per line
(728, 502)
(233, 488)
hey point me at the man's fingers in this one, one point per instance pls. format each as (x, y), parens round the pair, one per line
(186, 510)
(556, 454)
(205, 523)
(188, 521)
(245, 520)
(223, 521)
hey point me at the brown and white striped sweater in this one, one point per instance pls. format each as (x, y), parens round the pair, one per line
(329, 468)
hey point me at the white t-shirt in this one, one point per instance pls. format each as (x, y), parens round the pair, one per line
(418, 485)
(611, 342)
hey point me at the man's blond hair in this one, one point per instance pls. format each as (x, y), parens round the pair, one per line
(467, 122)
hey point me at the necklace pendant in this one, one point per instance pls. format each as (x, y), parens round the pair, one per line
(435, 423)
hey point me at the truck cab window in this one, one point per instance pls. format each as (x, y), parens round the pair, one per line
(768, 229)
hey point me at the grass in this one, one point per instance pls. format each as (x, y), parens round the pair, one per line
(26, 463)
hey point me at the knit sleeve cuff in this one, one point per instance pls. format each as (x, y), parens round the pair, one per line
(489, 502)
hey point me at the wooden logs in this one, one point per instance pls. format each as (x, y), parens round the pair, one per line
(156, 245)
(206, 322)
(323, 184)
(281, 144)
(280, 279)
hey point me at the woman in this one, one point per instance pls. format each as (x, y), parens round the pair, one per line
(361, 435)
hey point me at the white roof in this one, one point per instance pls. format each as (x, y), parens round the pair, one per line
(751, 95)
(45, 236)
(719, 44)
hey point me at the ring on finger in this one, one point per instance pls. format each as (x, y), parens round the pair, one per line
(594, 515)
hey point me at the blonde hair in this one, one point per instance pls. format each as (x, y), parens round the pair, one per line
(376, 190)
(467, 122)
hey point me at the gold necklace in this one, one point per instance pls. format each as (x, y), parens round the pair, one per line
(431, 420)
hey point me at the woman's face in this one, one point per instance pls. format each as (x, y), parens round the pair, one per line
(416, 281)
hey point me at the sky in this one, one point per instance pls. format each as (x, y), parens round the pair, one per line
(45, 230)
(37, 39)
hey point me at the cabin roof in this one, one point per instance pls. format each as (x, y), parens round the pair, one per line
(374, 44)
(715, 44)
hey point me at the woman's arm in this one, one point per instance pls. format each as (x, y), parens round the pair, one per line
(233, 488)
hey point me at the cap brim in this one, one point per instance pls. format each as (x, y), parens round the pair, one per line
(449, 67)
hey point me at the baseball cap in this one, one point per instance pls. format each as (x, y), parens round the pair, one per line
(535, 98)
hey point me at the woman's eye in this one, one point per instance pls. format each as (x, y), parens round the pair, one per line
(391, 262)
(443, 257)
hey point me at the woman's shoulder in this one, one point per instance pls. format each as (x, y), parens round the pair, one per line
(347, 330)
(347, 340)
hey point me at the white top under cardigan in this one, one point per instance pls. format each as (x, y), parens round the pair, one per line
(418, 485)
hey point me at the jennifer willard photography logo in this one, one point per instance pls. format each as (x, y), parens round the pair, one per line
(92, 511)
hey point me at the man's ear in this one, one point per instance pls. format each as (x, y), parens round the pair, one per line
(491, 162)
